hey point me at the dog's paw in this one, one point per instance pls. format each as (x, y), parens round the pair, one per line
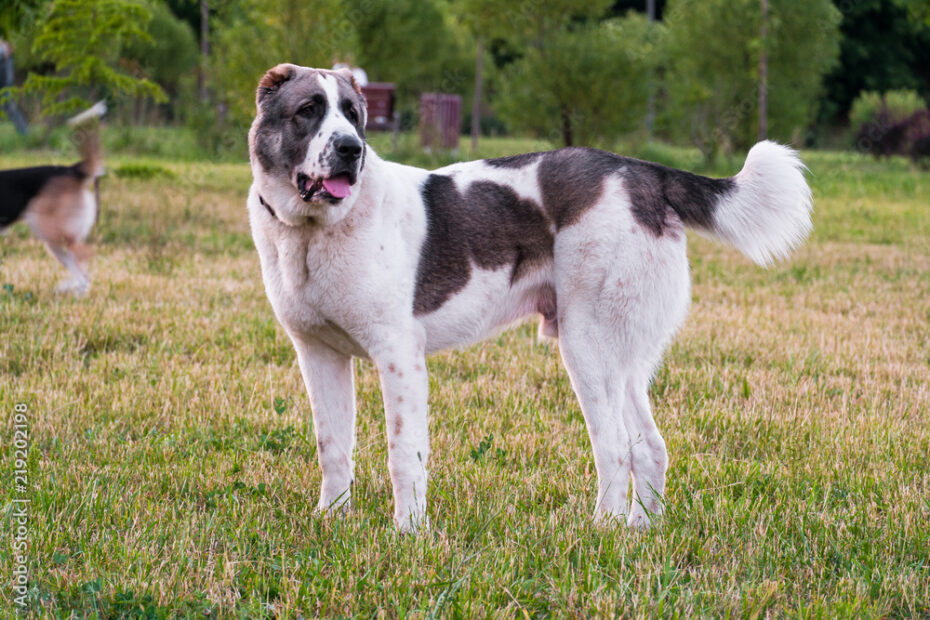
(76, 287)
(339, 507)
(609, 518)
(411, 524)
(642, 519)
(639, 521)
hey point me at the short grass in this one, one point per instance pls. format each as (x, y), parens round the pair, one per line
(173, 471)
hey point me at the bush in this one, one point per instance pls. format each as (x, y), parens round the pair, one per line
(884, 136)
(919, 136)
(898, 105)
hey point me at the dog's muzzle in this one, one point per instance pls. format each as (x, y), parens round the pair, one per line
(344, 169)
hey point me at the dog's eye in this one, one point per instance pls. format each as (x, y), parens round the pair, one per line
(350, 112)
(312, 107)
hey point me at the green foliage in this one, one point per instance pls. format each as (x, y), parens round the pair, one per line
(918, 11)
(899, 104)
(883, 48)
(533, 21)
(251, 36)
(15, 13)
(83, 41)
(413, 43)
(713, 56)
(586, 84)
(168, 53)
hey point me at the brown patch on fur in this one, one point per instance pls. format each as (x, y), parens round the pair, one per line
(400, 399)
(398, 424)
(275, 76)
(391, 368)
(347, 73)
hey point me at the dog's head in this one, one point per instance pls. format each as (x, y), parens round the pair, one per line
(309, 133)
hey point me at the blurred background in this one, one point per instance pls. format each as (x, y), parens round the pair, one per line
(180, 75)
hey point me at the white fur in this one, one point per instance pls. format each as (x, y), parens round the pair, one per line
(343, 285)
(769, 215)
(316, 162)
(95, 111)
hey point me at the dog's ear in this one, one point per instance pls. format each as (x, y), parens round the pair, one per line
(272, 80)
(347, 74)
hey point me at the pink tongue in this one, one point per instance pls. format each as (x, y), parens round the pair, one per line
(338, 187)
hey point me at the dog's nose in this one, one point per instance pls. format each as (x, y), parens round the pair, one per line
(348, 147)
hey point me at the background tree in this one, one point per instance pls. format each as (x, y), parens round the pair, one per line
(883, 48)
(712, 57)
(82, 42)
(414, 43)
(576, 78)
(168, 56)
(251, 36)
(588, 84)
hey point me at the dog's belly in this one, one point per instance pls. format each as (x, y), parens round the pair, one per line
(487, 304)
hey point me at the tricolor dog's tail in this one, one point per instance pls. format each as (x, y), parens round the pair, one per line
(91, 158)
(764, 211)
(91, 164)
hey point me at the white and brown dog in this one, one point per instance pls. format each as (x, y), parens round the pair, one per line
(364, 257)
(60, 202)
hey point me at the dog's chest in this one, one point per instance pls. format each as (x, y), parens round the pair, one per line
(327, 285)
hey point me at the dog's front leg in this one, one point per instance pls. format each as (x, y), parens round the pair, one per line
(329, 380)
(404, 387)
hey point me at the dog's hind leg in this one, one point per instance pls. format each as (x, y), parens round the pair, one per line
(600, 387)
(622, 292)
(650, 457)
(330, 384)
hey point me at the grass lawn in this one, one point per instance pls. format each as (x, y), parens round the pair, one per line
(172, 469)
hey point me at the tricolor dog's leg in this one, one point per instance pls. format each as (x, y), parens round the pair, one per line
(66, 255)
(404, 388)
(329, 380)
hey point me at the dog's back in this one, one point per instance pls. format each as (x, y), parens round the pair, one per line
(20, 186)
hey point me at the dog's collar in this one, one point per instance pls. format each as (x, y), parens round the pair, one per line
(268, 207)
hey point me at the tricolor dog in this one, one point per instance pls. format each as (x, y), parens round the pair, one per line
(59, 203)
(365, 257)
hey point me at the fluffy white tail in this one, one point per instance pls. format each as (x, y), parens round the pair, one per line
(88, 139)
(95, 111)
(769, 213)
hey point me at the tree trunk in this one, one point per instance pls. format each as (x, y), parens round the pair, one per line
(566, 126)
(476, 102)
(763, 75)
(651, 103)
(204, 49)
